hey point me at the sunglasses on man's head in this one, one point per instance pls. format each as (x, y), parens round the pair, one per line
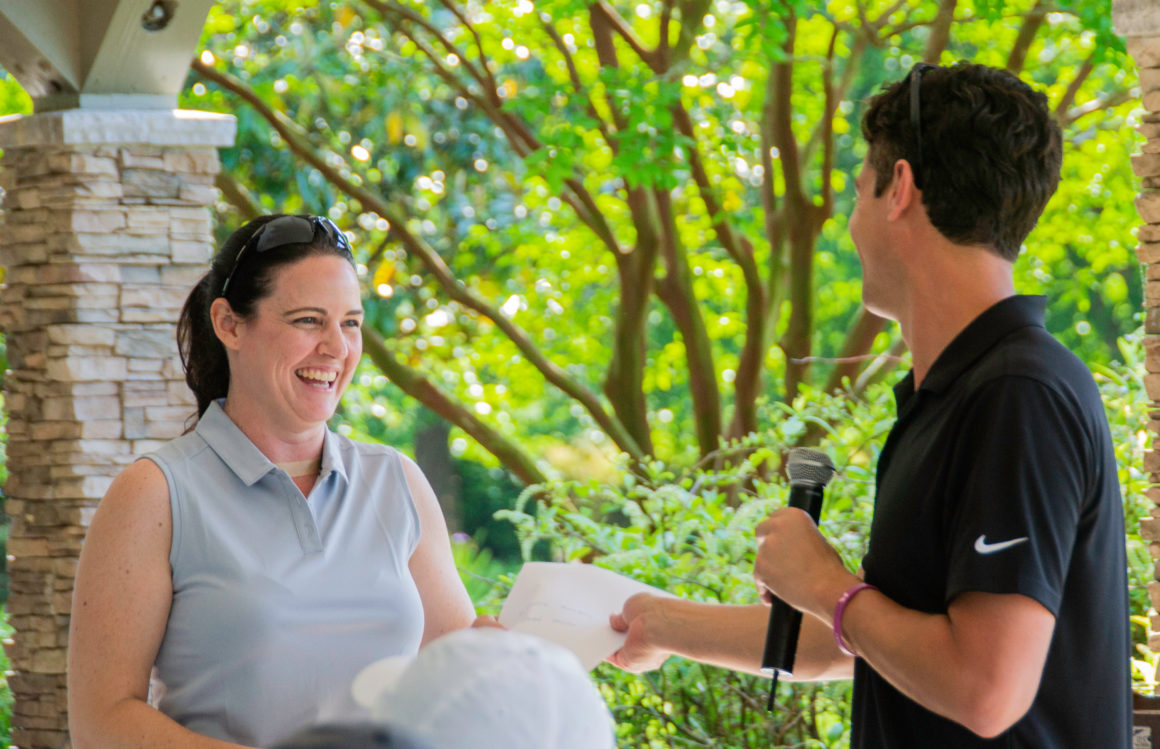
(288, 230)
(915, 78)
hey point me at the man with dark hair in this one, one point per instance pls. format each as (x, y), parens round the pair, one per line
(985, 153)
(992, 608)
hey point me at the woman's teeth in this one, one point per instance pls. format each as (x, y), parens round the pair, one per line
(317, 375)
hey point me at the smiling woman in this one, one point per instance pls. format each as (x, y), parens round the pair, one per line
(257, 563)
(293, 358)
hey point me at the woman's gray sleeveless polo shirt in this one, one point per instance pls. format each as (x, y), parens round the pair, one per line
(279, 601)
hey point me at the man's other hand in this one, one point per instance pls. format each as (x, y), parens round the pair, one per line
(642, 616)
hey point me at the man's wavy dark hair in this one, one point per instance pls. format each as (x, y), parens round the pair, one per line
(991, 152)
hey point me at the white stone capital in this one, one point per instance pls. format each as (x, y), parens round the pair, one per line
(112, 127)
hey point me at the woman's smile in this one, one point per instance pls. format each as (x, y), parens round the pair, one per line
(318, 378)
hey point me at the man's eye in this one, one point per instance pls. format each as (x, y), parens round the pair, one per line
(306, 320)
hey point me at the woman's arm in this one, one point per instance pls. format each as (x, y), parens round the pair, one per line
(120, 607)
(446, 605)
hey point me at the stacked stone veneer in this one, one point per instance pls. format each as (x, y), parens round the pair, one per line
(1146, 53)
(101, 241)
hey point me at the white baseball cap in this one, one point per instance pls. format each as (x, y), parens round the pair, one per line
(351, 736)
(489, 688)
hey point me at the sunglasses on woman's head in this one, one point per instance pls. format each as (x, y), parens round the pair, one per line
(288, 230)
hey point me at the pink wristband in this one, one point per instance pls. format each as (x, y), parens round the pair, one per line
(843, 602)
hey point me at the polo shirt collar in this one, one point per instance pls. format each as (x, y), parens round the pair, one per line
(244, 458)
(331, 457)
(979, 337)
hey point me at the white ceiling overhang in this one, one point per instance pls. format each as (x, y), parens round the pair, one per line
(100, 54)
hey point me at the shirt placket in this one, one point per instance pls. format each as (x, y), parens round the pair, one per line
(308, 536)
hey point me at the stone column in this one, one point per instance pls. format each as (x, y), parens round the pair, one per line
(1139, 22)
(106, 226)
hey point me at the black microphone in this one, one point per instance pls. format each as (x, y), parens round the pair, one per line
(809, 472)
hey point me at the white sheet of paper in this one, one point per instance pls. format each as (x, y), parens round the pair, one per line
(569, 604)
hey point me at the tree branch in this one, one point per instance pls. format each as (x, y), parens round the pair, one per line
(298, 144)
(458, 13)
(776, 235)
(1114, 99)
(800, 216)
(852, 62)
(1068, 98)
(523, 141)
(1026, 37)
(675, 290)
(488, 99)
(624, 31)
(829, 108)
(872, 30)
(606, 54)
(705, 191)
(624, 380)
(421, 389)
(578, 85)
(882, 365)
(859, 341)
(483, 79)
(238, 196)
(747, 382)
(692, 16)
(664, 47)
(940, 32)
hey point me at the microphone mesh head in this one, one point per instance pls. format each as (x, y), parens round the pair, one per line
(806, 466)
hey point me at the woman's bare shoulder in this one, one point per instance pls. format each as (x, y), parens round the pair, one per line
(139, 492)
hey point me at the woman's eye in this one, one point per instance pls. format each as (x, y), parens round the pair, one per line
(306, 320)
(353, 323)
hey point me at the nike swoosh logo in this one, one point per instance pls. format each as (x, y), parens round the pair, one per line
(983, 547)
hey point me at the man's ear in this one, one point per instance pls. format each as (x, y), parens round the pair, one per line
(903, 192)
(225, 323)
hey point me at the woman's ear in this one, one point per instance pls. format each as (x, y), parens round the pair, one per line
(226, 323)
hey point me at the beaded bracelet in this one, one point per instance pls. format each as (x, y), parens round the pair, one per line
(843, 601)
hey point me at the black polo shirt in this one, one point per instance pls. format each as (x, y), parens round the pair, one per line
(999, 476)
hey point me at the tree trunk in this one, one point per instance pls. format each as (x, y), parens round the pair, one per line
(433, 454)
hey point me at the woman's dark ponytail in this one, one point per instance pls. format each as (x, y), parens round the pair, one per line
(203, 357)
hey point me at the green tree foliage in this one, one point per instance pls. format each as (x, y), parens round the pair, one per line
(592, 229)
